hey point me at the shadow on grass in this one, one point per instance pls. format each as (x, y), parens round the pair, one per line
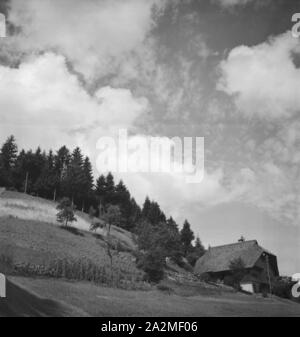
(98, 236)
(72, 230)
(21, 303)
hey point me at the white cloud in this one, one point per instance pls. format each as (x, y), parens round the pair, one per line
(94, 34)
(179, 198)
(263, 79)
(230, 3)
(43, 103)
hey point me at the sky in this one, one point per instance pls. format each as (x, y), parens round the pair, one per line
(72, 71)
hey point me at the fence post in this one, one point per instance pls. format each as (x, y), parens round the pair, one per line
(2, 285)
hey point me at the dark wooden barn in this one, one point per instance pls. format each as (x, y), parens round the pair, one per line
(260, 266)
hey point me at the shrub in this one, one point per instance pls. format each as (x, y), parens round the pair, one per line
(152, 263)
(205, 277)
(165, 288)
(66, 211)
(237, 267)
(6, 264)
(283, 287)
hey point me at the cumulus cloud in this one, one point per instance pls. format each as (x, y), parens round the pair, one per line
(263, 79)
(179, 198)
(42, 102)
(94, 35)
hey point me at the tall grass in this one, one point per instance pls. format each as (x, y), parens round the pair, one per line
(71, 269)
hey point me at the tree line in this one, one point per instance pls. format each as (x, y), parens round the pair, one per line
(69, 174)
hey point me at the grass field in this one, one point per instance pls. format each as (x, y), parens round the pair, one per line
(26, 207)
(39, 244)
(29, 235)
(100, 301)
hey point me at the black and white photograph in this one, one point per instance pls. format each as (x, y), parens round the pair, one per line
(149, 161)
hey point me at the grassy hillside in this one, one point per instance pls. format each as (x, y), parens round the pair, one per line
(33, 246)
(31, 237)
(23, 206)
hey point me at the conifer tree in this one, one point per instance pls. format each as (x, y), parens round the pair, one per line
(8, 156)
(187, 236)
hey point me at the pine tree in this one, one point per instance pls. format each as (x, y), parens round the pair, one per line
(187, 236)
(77, 157)
(8, 156)
(172, 224)
(109, 189)
(8, 153)
(146, 208)
(73, 183)
(47, 182)
(199, 248)
(88, 184)
(135, 214)
(152, 212)
(61, 162)
(88, 175)
(19, 172)
(100, 186)
(123, 199)
(37, 163)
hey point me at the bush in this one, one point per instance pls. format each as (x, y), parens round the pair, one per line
(237, 267)
(66, 211)
(165, 288)
(283, 288)
(152, 263)
(157, 242)
(6, 264)
(192, 258)
(205, 277)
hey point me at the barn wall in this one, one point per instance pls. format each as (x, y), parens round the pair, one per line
(262, 265)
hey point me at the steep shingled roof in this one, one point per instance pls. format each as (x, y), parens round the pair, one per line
(217, 259)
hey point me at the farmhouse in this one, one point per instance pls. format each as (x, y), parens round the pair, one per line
(260, 266)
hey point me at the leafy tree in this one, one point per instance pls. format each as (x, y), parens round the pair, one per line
(66, 211)
(238, 271)
(169, 243)
(155, 244)
(187, 236)
(152, 263)
(113, 216)
(145, 235)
